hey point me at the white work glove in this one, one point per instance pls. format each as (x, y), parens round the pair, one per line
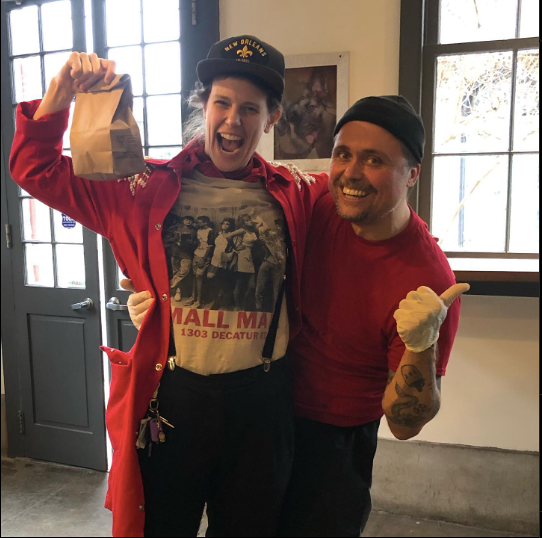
(421, 314)
(138, 303)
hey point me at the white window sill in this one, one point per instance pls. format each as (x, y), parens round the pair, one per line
(495, 269)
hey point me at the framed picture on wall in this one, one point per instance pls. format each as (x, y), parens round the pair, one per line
(316, 94)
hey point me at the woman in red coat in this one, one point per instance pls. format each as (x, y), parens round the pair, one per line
(205, 393)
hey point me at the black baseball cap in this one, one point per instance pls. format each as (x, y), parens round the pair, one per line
(245, 55)
(393, 113)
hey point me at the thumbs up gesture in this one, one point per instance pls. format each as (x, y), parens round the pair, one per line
(421, 314)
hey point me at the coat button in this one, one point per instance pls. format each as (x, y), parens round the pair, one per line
(164, 297)
(158, 226)
(142, 507)
(158, 366)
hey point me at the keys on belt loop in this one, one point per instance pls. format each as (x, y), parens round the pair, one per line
(171, 363)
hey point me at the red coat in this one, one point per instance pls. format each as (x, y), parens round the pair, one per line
(132, 223)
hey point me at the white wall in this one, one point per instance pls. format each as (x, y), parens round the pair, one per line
(368, 29)
(490, 393)
(490, 390)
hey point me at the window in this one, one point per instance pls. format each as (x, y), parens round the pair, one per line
(143, 37)
(41, 40)
(478, 62)
(157, 42)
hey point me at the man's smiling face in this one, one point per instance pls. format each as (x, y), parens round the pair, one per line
(370, 176)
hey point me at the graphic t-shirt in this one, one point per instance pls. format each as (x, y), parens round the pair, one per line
(222, 303)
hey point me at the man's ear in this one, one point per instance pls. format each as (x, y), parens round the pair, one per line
(414, 175)
(273, 118)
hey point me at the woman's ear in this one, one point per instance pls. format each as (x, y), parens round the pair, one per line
(273, 118)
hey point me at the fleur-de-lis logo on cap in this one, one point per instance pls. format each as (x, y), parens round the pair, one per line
(244, 53)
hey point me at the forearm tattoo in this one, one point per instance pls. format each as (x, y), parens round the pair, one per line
(413, 377)
(407, 411)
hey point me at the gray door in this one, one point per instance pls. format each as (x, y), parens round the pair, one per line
(52, 364)
(51, 267)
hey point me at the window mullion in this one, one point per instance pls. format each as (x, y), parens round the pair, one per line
(98, 27)
(432, 22)
(42, 54)
(518, 20)
(78, 26)
(144, 72)
(428, 97)
(483, 46)
(511, 149)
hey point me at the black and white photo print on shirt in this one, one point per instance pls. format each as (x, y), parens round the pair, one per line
(225, 246)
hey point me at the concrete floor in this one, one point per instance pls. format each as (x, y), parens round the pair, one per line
(42, 499)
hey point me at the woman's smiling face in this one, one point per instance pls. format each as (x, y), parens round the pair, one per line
(236, 116)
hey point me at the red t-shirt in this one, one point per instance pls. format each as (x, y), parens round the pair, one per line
(350, 289)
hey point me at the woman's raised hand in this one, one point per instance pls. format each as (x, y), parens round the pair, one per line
(80, 72)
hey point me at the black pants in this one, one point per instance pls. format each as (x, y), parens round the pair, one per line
(329, 491)
(232, 448)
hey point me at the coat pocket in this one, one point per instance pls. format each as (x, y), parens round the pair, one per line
(116, 416)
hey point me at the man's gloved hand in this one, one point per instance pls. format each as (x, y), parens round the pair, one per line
(421, 314)
(138, 303)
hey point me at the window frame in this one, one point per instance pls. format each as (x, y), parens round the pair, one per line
(199, 30)
(419, 50)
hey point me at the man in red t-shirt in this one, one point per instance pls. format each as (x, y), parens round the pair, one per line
(364, 350)
(361, 352)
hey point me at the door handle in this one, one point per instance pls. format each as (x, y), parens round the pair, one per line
(114, 304)
(87, 304)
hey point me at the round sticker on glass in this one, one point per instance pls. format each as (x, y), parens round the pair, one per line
(67, 222)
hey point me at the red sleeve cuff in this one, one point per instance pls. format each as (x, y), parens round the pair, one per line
(49, 127)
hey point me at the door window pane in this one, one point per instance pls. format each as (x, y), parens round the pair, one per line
(477, 20)
(527, 112)
(36, 220)
(525, 220)
(24, 30)
(530, 18)
(53, 64)
(473, 102)
(39, 265)
(138, 116)
(164, 120)
(481, 183)
(66, 140)
(66, 229)
(123, 20)
(70, 264)
(56, 20)
(130, 61)
(27, 78)
(163, 68)
(164, 153)
(160, 20)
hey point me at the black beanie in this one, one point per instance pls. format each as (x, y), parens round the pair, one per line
(393, 113)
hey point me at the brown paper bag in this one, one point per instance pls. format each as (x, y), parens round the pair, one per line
(105, 140)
